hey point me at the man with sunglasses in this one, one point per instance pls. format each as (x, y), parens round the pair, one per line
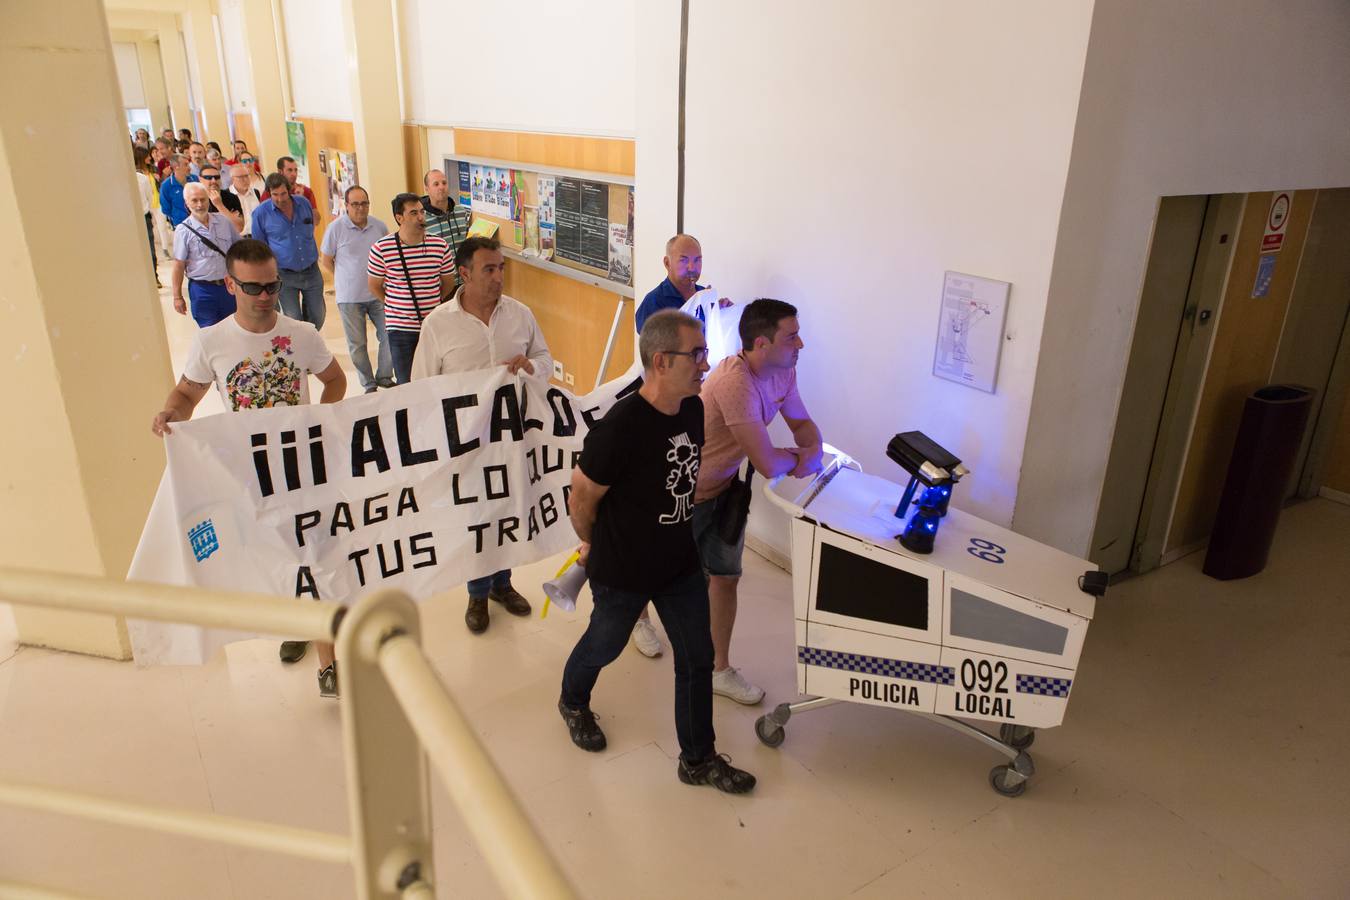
(257, 359)
(200, 245)
(632, 505)
(222, 201)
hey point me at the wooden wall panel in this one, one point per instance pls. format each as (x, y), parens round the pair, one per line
(611, 155)
(243, 131)
(575, 319)
(1338, 461)
(1241, 360)
(415, 159)
(322, 134)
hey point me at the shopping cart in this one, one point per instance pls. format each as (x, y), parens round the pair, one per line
(988, 627)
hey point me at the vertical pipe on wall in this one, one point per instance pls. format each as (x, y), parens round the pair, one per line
(679, 163)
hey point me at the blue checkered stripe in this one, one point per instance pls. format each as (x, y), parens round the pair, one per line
(1043, 685)
(876, 665)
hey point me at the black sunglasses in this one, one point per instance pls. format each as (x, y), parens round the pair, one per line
(254, 288)
(210, 177)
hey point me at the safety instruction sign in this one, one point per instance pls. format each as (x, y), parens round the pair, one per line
(1276, 220)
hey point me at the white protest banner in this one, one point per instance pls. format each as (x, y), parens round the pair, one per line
(420, 488)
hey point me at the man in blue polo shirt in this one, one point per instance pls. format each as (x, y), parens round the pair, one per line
(684, 263)
(171, 201)
(285, 222)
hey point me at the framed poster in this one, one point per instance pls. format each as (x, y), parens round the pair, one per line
(970, 330)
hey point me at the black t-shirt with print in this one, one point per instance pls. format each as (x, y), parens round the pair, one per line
(643, 537)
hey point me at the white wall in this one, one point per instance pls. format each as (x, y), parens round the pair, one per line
(1178, 98)
(843, 161)
(234, 50)
(562, 66)
(320, 83)
(129, 74)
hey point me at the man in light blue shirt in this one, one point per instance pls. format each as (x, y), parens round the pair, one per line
(285, 222)
(171, 191)
(345, 251)
(200, 243)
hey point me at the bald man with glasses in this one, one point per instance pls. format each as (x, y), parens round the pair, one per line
(257, 359)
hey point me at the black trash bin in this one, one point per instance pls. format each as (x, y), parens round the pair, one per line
(1268, 439)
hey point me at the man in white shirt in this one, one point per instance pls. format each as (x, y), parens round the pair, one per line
(257, 359)
(346, 253)
(479, 328)
(250, 198)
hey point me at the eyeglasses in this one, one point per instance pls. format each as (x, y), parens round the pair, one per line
(246, 160)
(698, 356)
(356, 203)
(254, 288)
(209, 177)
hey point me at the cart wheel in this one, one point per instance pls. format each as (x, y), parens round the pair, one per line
(1019, 737)
(998, 780)
(769, 734)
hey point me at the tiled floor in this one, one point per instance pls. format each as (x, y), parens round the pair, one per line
(1202, 756)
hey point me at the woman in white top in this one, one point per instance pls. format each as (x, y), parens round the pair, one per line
(146, 187)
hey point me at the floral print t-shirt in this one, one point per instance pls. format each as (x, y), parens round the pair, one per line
(257, 371)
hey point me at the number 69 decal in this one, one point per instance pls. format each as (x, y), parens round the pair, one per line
(986, 550)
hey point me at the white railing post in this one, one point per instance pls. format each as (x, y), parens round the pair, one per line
(387, 785)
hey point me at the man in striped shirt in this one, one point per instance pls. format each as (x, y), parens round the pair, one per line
(411, 271)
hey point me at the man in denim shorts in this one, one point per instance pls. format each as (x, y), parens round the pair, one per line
(740, 399)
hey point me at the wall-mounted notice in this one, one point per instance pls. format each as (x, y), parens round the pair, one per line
(970, 330)
(465, 186)
(1265, 271)
(620, 254)
(491, 191)
(299, 148)
(582, 212)
(547, 196)
(1276, 220)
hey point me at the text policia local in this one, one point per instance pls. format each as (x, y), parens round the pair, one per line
(372, 453)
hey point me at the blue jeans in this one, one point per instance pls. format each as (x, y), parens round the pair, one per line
(403, 347)
(210, 303)
(302, 295)
(354, 317)
(479, 587)
(683, 607)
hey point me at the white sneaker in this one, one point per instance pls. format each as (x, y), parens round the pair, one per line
(731, 683)
(645, 639)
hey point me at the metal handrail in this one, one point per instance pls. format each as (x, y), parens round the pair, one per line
(504, 835)
(390, 846)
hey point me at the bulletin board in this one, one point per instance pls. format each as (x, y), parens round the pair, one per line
(578, 220)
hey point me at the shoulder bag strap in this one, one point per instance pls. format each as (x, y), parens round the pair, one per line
(206, 240)
(417, 307)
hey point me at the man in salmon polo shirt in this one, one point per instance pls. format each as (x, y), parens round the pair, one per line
(740, 399)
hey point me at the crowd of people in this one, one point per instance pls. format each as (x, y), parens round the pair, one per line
(657, 496)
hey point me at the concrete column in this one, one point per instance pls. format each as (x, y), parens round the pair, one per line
(377, 120)
(265, 63)
(156, 91)
(83, 358)
(175, 71)
(207, 72)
